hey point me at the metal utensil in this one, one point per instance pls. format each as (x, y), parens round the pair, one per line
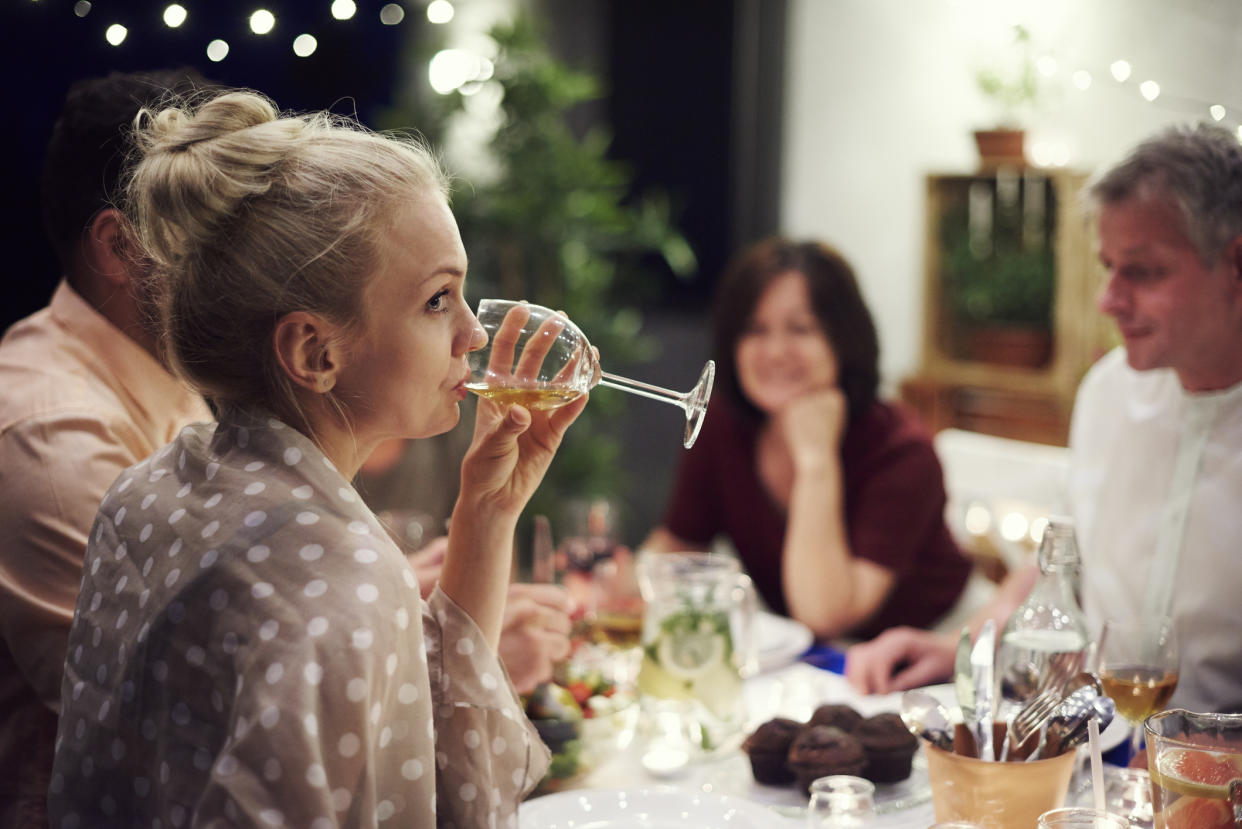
(984, 677)
(927, 718)
(1067, 726)
(964, 682)
(1047, 696)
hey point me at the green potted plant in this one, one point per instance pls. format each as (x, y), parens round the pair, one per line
(1013, 88)
(999, 293)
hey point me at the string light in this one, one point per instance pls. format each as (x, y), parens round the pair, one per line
(1149, 90)
(217, 50)
(115, 34)
(304, 45)
(174, 16)
(440, 11)
(343, 9)
(392, 14)
(1217, 112)
(1120, 70)
(82, 8)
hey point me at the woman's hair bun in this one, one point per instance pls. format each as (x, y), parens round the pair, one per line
(173, 129)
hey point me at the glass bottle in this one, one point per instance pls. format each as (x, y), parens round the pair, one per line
(1049, 625)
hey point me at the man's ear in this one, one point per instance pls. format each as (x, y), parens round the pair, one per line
(308, 350)
(105, 249)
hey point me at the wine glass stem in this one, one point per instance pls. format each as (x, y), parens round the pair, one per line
(1136, 738)
(615, 381)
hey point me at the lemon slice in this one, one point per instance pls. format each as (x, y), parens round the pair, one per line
(690, 654)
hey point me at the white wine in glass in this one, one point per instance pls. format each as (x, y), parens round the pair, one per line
(1138, 668)
(535, 357)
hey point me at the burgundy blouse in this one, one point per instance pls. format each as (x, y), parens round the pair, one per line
(894, 510)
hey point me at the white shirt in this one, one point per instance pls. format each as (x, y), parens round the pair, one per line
(1125, 436)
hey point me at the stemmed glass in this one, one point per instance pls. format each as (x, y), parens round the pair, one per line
(537, 358)
(1138, 668)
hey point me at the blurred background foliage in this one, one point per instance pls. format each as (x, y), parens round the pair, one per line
(559, 224)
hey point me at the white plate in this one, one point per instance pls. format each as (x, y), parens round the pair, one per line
(780, 640)
(660, 807)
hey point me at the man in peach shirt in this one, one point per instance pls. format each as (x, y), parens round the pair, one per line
(85, 396)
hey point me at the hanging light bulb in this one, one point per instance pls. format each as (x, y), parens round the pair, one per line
(115, 34)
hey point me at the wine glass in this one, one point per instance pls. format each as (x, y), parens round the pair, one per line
(537, 358)
(1138, 668)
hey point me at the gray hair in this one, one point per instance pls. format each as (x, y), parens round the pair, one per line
(1198, 167)
(244, 214)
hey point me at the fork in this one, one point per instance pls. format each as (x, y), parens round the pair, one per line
(1043, 702)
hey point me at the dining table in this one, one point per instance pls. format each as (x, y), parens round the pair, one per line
(794, 677)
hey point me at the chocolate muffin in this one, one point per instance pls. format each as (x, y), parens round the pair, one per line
(839, 716)
(889, 747)
(768, 749)
(820, 750)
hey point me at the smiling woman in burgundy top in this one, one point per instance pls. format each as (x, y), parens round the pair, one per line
(834, 499)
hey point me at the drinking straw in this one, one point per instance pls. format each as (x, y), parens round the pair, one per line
(1097, 765)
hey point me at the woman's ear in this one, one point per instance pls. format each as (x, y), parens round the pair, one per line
(308, 350)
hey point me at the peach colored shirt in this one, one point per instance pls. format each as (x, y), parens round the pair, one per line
(79, 402)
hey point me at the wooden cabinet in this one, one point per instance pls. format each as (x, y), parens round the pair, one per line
(990, 239)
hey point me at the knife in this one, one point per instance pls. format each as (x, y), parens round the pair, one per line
(983, 676)
(963, 680)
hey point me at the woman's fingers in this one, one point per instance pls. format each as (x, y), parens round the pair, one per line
(504, 341)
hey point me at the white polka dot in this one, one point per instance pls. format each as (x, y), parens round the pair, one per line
(519, 777)
(262, 590)
(292, 455)
(195, 655)
(254, 488)
(385, 737)
(315, 775)
(274, 424)
(365, 556)
(171, 578)
(317, 626)
(302, 492)
(95, 566)
(174, 548)
(258, 553)
(410, 581)
(104, 709)
(268, 630)
(348, 745)
(176, 515)
(121, 582)
(146, 532)
(363, 638)
(269, 717)
(213, 500)
(407, 693)
(219, 599)
(184, 491)
(210, 529)
(274, 672)
(465, 647)
(472, 739)
(211, 470)
(341, 798)
(311, 723)
(499, 746)
(367, 593)
(119, 517)
(356, 689)
(311, 552)
(488, 681)
(146, 626)
(229, 643)
(181, 714)
(403, 618)
(376, 711)
(315, 588)
(253, 466)
(307, 518)
(209, 558)
(359, 528)
(390, 664)
(347, 494)
(412, 769)
(313, 673)
(272, 770)
(322, 823)
(384, 810)
(227, 765)
(124, 484)
(146, 567)
(121, 551)
(157, 474)
(148, 500)
(254, 519)
(272, 817)
(468, 792)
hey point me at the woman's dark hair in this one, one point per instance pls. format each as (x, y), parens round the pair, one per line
(835, 300)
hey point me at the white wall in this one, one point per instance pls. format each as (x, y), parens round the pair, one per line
(881, 93)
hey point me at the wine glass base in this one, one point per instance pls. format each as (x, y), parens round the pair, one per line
(696, 403)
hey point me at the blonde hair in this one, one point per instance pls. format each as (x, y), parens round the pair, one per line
(244, 214)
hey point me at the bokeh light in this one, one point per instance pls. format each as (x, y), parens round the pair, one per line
(392, 14)
(82, 8)
(1120, 70)
(1082, 79)
(304, 45)
(344, 9)
(262, 22)
(217, 51)
(439, 11)
(1149, 90)
(115, 34)
(1217, 112)
(174, 16)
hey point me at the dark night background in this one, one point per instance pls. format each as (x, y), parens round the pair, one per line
(690, 99)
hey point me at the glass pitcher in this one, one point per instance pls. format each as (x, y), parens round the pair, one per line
(1195, 761)
(698, 643)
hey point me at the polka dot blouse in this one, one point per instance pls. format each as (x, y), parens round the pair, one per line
(249, 648)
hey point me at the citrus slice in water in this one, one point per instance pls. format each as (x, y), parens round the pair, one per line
(690, 654)
(1197, 773)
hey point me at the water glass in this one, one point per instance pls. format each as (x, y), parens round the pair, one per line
(840, 801)
(1076, 818)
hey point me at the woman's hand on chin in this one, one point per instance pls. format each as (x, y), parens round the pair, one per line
(812, 425)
